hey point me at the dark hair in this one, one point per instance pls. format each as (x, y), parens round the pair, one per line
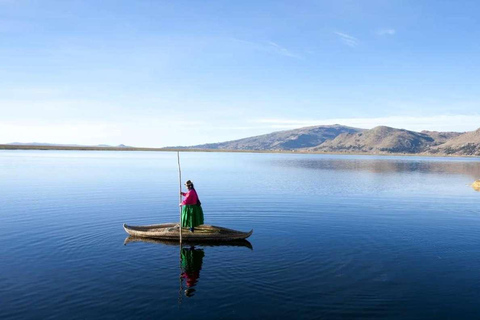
(189, 184)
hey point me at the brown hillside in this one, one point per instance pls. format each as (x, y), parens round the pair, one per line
(284, 140)
(442, 137)
(465, 144)
(379, 139)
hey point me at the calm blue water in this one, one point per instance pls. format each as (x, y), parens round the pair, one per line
(335, 237)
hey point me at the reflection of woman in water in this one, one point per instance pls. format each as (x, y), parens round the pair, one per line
(192, 260)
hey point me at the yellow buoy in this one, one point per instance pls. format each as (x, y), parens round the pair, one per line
(476, 185)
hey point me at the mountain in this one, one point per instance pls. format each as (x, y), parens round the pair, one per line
(284, 140)
(379, 139)
(109, 146)
(464, 144)
(331, 138)
(338, 138)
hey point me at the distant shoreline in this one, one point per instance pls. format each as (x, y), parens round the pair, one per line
(86, 148)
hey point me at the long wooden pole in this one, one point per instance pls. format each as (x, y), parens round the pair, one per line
(180, 291)
(180, 185)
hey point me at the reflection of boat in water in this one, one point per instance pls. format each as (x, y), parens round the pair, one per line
(231, 243)
(171, 231)
(191, 258)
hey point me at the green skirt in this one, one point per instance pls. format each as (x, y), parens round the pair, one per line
(192, 215)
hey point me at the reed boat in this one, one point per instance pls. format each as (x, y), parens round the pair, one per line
(171, 231)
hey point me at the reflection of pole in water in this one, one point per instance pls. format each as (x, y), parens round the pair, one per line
(191, 264)
(180, 278)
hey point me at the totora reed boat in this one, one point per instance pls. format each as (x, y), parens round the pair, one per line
(170, 231)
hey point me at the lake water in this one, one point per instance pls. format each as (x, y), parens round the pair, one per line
(335, 237)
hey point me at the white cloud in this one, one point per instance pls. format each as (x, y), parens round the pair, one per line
(457, 123)
(282, 51)
(347, 39)
(269, 46)
(386, 32)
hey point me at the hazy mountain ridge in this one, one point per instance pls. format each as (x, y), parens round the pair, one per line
(442, 137)
(283, 140)
(338, 138)
(322, 139)
(39, 144)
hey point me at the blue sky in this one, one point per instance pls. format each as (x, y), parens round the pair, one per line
(162, 73)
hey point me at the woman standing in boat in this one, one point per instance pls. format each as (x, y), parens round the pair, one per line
(192, 213)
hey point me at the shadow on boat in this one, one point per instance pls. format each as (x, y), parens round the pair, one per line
(230, 243)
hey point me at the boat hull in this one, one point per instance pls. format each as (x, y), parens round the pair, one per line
(171, 231)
